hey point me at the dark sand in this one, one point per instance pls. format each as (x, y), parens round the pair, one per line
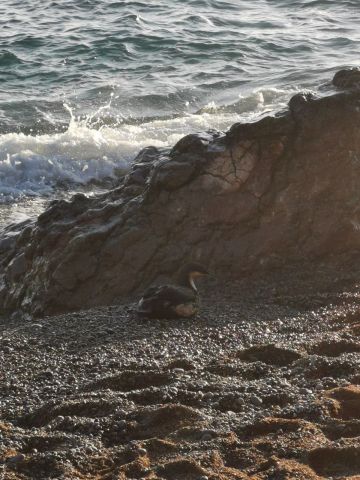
(101, 394)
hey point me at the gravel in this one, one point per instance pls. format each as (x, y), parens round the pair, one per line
(257, 376)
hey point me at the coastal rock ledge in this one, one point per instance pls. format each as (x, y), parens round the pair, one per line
(286, 188)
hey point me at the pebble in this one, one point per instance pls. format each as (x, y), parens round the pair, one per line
(255, 400)
(305, 391)
(200, 388)
(178, 370)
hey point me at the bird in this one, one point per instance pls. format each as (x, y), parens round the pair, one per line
(173, 301)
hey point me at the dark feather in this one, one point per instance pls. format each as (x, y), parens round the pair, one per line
(161, 301)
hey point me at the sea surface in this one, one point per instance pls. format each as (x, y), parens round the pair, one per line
(85, 84)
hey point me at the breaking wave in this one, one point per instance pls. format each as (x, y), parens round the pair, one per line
(89, 149)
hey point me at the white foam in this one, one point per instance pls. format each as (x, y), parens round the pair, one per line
(257, 102)
(32, 165)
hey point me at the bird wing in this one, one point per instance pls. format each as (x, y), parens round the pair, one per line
(176, 294)
(164, 299)
(150, 292)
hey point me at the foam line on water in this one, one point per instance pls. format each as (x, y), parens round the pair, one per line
(32, 165)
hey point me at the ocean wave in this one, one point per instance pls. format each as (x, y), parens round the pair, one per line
(33, 165)
(91, 149)
(9, 59)
(259, 101)
(152, 46)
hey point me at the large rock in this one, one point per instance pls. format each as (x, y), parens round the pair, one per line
(281, 189)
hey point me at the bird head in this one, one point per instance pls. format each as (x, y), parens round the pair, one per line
(190, 272)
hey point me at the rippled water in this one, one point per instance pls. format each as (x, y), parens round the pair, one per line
(84, 84)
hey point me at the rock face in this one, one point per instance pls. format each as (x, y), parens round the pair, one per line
(282, 189)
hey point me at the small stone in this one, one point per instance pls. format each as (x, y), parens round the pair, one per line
(142, 451)
(206, 437)
(255, 400)
(120, 412)
(178, 371)
(231, 413)
(304, 391)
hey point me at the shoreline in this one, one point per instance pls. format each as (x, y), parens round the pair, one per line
(264, 383)
(280, 190)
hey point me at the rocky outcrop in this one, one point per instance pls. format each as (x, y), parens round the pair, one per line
(282, 189)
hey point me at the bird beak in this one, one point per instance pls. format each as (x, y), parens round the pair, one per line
(200, 274)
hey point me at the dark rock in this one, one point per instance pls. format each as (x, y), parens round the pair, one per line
(7, 243)
(280, 190)
(17, 267)
(267, 127)
(146, 155)
(172, 175)
(255, 400)
(347, 78)
(299, 101)
(193, 143)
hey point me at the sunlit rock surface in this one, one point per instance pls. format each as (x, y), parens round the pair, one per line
(283, 189)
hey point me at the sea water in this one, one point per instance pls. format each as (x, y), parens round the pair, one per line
(85, 84)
